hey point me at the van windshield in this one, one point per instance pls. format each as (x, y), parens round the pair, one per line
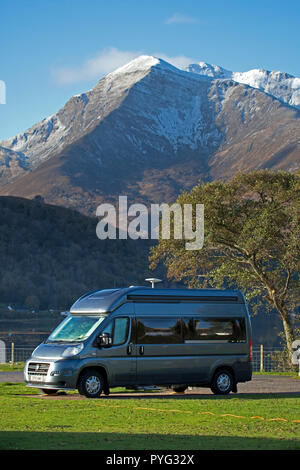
(75, 328)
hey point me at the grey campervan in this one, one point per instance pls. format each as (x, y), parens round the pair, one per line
(139, 336)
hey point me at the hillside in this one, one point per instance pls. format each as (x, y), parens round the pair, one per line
(53, 254)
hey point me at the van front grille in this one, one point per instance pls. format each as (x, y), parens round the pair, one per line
(38, 368)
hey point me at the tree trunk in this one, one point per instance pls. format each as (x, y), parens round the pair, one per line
(289, 334)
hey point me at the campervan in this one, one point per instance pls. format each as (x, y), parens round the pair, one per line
(139, 336)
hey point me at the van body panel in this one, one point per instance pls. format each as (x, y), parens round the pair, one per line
(120, 366)
(159, 337)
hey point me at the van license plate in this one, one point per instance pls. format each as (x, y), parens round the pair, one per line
(36, 378)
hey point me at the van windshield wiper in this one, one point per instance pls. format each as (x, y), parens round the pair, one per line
(56, 341)
(63, 340)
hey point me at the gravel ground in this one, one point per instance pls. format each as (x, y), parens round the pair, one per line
(262, 384)
(13, 376)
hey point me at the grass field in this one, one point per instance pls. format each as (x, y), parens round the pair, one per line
(231, 422)
(17, 366)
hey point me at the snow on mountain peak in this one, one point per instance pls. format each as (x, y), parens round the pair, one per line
(142, 63)
(210, 70)
(281, 85)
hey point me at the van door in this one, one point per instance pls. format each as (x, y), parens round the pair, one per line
(210, 341)
(119, 356)
(158, 348)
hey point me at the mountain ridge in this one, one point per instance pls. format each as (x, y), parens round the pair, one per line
(279, 84)
(149, 130)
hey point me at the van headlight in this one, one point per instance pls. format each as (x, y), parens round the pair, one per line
(73, 350)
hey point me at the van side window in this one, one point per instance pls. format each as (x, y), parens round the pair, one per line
(162, 330)
(214, 329)
(118, 329)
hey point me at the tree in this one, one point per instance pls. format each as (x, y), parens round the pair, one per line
(32, 302)
(252, 240)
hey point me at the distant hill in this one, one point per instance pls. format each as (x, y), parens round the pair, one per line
(53, 254)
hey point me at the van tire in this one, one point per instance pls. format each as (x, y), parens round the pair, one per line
(222, 382)
(91, 384)
(179, 388)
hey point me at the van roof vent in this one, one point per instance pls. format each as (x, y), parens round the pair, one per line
(181, 298)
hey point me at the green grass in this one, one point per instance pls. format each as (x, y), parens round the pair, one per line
(293, 374)
(30, 421)
(19, 366)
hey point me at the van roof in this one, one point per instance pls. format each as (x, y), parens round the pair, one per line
(107, 300)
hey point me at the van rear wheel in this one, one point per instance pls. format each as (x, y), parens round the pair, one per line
(222, 382)
(91, 384)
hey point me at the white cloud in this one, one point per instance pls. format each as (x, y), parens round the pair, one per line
(180, 18)
(104, 62)
(107, 61)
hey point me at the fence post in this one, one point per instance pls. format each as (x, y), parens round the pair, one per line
(2, 352)
(12, 353)
(261, 358)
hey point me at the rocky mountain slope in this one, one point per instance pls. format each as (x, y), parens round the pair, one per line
(149, 130)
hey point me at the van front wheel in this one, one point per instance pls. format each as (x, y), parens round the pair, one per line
(91, 384)
(222, 382)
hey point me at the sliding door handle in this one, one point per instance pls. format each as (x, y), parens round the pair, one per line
(141, 350)
(129, 349)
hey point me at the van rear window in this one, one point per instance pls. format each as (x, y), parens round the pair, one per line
(175, 330)
(214, 329)
(159, 330)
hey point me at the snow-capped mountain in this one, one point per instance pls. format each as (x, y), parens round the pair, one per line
(279, 84)
(149, 130)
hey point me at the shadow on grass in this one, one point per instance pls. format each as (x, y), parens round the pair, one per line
(199, 396)
(146, 396)
(65, 440)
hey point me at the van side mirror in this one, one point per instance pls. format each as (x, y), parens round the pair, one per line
(104, 340)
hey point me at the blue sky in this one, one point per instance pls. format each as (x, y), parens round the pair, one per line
(53, 49)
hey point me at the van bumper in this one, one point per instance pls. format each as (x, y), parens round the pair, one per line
(42, 373)
(243, 371)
